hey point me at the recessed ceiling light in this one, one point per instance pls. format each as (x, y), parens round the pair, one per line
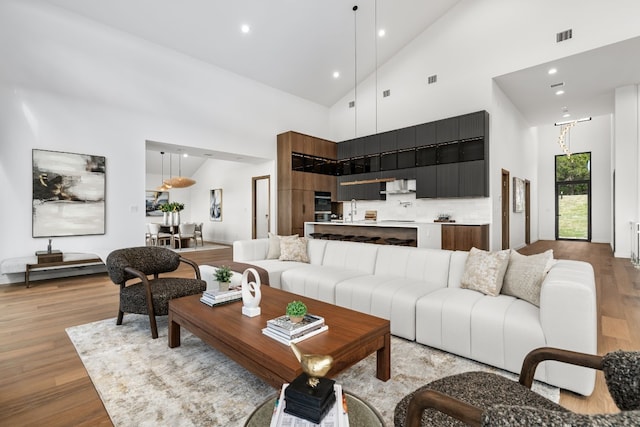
(245, 28)
(559, 92)
(565, 115)
(336, 74)
(381, 32)
(552, 71)
(185, 155)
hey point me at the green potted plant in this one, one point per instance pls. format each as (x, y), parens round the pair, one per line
(223, 277)
(296, 311)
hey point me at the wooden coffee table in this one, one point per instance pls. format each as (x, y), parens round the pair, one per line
(351, 337)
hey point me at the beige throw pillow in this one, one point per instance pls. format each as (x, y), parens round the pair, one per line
(294, 249)
(484, 271)
(274, 245)
(525, 275)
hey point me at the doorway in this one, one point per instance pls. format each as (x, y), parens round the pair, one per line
(573, 197)
(527, 211)
(505, 209)
(260, 206)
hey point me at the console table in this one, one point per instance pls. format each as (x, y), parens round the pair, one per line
(56, 259)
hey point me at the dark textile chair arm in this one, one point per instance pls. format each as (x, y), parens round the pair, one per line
(192, 264)
(472, 415)
(455, 408)
(541, 354)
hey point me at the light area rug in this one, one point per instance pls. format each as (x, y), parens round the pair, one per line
(143, 382)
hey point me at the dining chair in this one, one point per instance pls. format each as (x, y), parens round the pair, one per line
(186, 231)
(156, 235)
(198, 233)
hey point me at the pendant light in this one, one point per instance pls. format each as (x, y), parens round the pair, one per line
(164, 186)
(180, 181)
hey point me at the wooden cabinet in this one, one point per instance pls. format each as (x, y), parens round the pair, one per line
(296, 188)
(465, 237)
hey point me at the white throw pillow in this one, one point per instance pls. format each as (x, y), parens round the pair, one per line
(274, 245)
(294, 249)
(484, 271)
(525, 275)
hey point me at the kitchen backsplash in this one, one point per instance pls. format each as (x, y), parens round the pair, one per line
(407, 207)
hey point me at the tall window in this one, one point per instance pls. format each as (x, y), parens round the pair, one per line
(573, 196)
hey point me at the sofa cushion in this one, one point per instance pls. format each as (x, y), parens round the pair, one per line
(293, 249)
(316, 281)
(484, 271)
(274, 245)
(524, 275)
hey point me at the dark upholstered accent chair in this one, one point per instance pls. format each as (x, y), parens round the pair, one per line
(150, 296)
(486, 399)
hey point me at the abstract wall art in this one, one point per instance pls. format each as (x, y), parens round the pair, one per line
(215, 205)
(68, 194)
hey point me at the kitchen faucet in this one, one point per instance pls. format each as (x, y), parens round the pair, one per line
(353, 209)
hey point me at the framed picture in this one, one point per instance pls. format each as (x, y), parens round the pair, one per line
(68, 196)
(518, 194)
(153, 200)
(215, 205)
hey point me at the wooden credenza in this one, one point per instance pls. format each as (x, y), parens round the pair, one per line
(458, 237)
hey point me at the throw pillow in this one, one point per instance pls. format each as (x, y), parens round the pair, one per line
(274, 245)
(294, 250)
(484, 271)
(525, 275)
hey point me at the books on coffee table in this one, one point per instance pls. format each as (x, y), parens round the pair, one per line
(284, 325)
(336, 416)
(212, 298)
(271, 333)
(285, 331)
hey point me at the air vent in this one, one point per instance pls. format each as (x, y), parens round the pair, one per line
(564, 35)
(432, 79)
(558, 84)
(386, 93)
(352, 104)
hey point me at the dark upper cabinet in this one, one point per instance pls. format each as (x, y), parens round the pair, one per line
(447, 130)
(388, 141)
(426, 156)
(344, 150)
(426, 182)
(357, 147)
(425, 134)
(473, 179)
(472, 150)
(448, 180)
(473, 125)
(448, 153)
(406, 138)
(371, 145)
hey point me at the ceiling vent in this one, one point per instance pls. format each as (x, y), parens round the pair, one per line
(352, 104)
(386, 93)
(432, 79)
(564, 35)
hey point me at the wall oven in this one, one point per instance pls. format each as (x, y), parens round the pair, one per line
(322, 205)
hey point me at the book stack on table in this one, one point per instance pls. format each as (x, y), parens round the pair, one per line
(335, 414)
(282, 329)
(212, 298)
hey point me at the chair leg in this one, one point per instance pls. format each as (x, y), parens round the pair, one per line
(120, 316)
(154, 325)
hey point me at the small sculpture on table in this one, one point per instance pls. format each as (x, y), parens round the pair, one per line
(251, 294)
(310, 395)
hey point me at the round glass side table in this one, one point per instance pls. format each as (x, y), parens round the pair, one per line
(361, 414)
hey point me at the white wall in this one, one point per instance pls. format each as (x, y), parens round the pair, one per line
(626, 164)
(69, 84)
(593, 136)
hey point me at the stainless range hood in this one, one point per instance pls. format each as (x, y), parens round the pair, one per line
(400, 186)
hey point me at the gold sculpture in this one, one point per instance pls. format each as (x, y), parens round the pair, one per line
(314, 365)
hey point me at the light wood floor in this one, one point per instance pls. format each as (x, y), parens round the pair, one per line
(43, 381)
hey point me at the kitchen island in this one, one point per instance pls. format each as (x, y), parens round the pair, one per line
(425, 234)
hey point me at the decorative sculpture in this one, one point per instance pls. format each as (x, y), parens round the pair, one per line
(251, 294)
(315, 366)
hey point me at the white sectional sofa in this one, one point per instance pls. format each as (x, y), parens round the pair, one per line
(419, 291)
